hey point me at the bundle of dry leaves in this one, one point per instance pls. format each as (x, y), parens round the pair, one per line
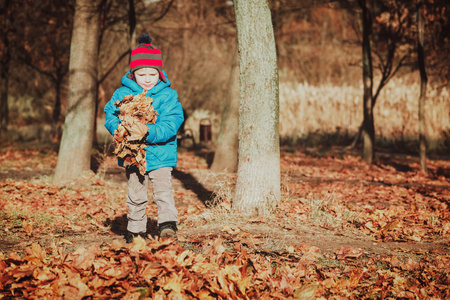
(135, 113)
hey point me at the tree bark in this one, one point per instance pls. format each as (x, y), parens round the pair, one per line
(423, 89)
(258, 177)
(226, 155)
(368, 129)
(76, 142)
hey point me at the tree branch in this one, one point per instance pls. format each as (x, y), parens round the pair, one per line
(113, 66)
(164, 12)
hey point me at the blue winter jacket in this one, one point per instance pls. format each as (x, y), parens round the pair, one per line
(161, 138)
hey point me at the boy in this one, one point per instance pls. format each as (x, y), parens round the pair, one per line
(146, 74)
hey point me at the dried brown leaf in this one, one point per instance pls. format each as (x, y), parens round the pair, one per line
(135, 112)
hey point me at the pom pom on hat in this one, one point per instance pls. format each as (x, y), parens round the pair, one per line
(145, 55)
(144, 39)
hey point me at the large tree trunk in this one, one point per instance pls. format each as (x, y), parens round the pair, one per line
(368, 129)
(76, 143)
(258, 176)
(226, 155)
(5, 60)
(423, 90)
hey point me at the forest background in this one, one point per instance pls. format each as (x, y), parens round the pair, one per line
(319, 56)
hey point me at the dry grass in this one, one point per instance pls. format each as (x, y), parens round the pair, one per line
(331, 109)
(308, 109)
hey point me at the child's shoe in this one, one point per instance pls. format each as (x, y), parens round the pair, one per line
(129, 236)
(168, 229)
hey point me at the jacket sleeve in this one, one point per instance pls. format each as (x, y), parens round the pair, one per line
(112, 113)
(170, 117)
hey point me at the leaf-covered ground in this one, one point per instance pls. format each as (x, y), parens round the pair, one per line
(343, 230)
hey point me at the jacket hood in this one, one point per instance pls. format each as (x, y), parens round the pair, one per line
(131, 84)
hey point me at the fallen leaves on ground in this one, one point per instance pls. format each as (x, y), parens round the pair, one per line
(14, 163)
(167, 270)
(387, 202)
(42, 208)
(377, 199)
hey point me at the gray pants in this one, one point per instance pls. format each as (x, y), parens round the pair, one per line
(137, 198)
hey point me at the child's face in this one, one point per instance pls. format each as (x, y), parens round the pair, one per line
(147, 77)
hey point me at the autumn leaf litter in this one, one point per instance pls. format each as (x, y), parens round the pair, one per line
(384, 234)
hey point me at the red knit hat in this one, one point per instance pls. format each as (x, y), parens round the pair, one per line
(145, 55)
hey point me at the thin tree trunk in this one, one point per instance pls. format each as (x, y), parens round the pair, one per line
(57, 107)
(102, 17)
(423, 89)
(226, 155)
(4, 72)
(76, 143)
(94, 130)
(258, 177)
(132, 23)
(55, 134)
(4, 111)
(368, 130)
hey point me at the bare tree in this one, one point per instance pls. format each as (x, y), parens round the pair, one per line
(76, 143)
(393, 22)
(132, 23)
(423, 88)
(258, 177)
(5, 59)
(368, 127)
(45, 44)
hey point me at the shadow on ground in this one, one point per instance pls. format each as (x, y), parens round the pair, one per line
(119, 226)
(190, 183)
